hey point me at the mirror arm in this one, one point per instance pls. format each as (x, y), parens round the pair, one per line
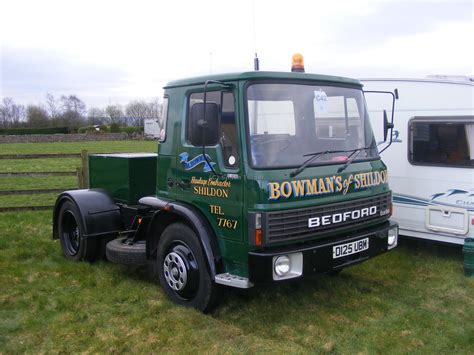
(390, 125)
(204, 122)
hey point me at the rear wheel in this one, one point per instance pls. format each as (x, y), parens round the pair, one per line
(71, 234)
(182, 269)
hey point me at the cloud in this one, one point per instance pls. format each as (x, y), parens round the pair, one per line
(441, 51)
(115, 50)
(28, 74)
(388, 20)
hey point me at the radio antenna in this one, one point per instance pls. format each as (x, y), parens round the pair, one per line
(256, 62)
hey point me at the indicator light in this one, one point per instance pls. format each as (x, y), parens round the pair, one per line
(297, 63)
(258, 237)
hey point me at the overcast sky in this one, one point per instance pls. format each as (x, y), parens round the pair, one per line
(115, 51)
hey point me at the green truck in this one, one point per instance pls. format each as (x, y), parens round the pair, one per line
(259, 177)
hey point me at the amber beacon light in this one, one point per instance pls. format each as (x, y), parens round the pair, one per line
(297, 63)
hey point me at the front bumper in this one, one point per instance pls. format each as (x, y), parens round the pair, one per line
(318, 257)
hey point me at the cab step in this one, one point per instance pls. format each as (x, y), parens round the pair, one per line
(233, 281)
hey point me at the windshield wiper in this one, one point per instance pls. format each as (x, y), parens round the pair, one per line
(352, 156)
(314, 156)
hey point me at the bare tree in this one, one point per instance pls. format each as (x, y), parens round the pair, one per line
(11, 114)
(53, 109)
(114, 113)
(37, 116)
(96, 115)
(70, 111)
(155, 108)
(73, 104)
(137, 111)
(73, 111)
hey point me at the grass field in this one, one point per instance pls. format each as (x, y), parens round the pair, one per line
(76, 147)
(412, 300)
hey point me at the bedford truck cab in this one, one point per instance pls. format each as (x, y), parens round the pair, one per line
(260, 177)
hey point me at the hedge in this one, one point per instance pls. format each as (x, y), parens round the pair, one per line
(114, 128)
(93, 129)
(27, 131)
(131, 129)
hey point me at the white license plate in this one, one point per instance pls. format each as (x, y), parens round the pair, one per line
(338, 251)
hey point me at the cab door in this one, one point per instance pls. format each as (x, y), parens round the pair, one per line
(212, 181)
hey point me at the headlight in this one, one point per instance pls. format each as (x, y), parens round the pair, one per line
(287, 266)
(282, 265)
(392, 238)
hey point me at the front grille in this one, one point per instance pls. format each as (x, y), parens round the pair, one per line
(293, 224)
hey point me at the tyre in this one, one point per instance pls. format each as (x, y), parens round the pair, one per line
(71, 235)
(182, 269)
(121, 252)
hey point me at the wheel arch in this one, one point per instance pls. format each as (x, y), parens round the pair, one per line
(173, 212)
(99, 214)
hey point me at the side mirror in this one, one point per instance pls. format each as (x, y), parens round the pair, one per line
(386, 125)
(210, 124)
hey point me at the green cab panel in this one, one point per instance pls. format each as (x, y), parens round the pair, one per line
(291, 210)
(127, 177)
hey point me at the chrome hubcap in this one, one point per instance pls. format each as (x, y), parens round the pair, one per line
(175, 271)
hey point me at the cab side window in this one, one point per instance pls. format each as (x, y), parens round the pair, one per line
(228, 129)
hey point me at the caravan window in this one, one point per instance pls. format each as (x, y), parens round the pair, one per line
(442, 142)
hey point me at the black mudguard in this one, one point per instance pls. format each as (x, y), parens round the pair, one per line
(100, 215)
(196, 220)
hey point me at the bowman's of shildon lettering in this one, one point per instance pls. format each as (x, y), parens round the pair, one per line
(341, 217)
(325, 185)
(227, 200)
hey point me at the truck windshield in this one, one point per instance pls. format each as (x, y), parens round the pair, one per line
(288, 121)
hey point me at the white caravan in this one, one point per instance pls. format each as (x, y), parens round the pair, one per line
(151, 127)
(431, 159)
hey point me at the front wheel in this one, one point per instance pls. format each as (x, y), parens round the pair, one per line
(182, 269)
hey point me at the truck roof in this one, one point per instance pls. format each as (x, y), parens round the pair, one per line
(429, 79)
(262, 75)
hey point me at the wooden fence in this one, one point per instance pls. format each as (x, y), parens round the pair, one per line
(81, 173)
